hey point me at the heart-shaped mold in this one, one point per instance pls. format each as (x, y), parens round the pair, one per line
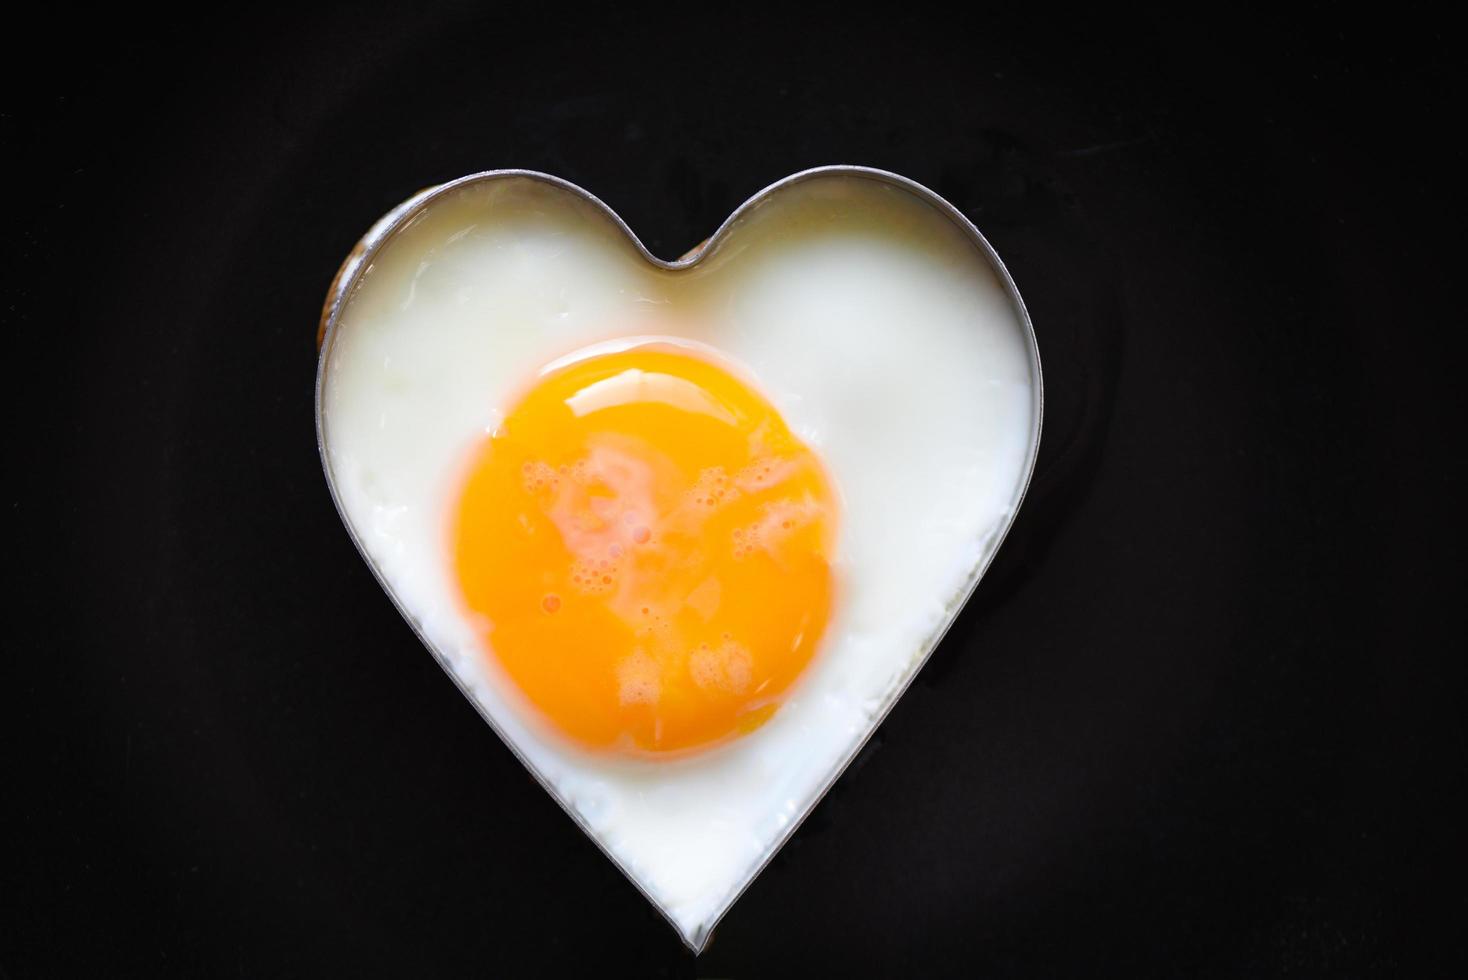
(420, 306)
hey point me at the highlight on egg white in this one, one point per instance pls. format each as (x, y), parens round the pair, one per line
(867, 317)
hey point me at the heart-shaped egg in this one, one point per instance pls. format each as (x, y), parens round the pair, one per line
(682, 532)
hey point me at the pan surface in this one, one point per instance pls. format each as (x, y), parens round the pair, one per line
(1193, 721)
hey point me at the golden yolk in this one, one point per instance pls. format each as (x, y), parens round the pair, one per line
(648, 550)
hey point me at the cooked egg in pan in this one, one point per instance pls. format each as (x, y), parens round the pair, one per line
(681, 533)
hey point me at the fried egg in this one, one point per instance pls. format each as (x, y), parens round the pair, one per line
(681, 533)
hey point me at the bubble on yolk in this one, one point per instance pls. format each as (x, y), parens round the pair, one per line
(648, 549)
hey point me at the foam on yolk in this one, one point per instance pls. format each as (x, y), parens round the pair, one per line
(648, 550)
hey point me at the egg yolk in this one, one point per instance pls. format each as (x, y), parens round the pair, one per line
(647, 550)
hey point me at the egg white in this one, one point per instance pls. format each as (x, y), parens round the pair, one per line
(870, 320)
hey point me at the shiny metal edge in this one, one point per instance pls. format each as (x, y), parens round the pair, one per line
(360, 260)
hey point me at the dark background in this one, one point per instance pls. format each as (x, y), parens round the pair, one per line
(1199, 720)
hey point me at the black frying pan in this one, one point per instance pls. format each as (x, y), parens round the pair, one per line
(1191, 723)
